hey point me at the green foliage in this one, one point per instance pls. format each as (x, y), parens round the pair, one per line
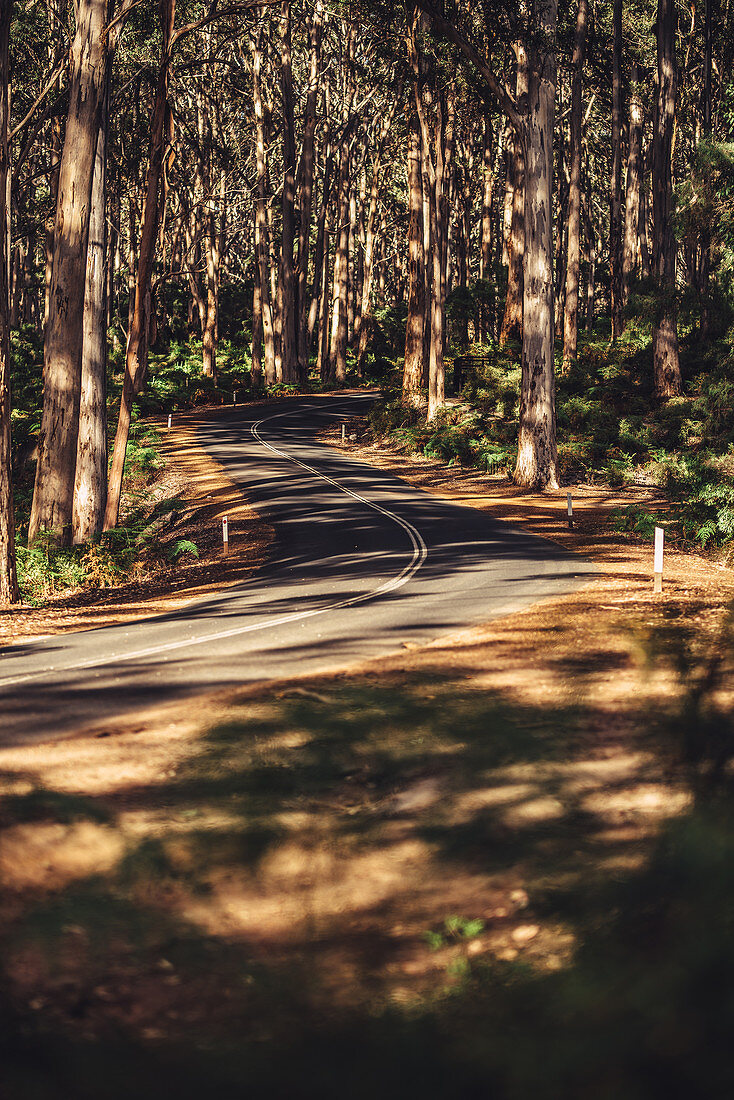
(181, 547)
(45, 568)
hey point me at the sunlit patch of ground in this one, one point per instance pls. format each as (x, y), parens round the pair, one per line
(332, 832)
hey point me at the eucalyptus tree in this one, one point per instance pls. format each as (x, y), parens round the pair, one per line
(8, 580)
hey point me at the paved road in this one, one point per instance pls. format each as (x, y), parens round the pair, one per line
(361, 564)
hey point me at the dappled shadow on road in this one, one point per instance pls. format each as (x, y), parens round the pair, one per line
(396, 888)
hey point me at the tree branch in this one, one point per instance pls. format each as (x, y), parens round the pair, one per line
(39, 99)
(472, 55)
(213, 15)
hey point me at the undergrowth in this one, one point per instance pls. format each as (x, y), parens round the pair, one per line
(611, 431)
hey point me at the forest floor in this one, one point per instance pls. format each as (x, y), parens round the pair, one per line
(281, 859)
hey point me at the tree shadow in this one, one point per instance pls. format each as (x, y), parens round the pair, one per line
(257, 923)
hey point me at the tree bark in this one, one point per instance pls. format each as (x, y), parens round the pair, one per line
(615, 196)
(137, 346)
(90, 488)
(53, 495)
(214, 243)
(339, 326)
(262, 229)
(634, 183)
(537, 457)
(485, 247)
(9, 593)
(706, 113)
(414, 367)
(573, 247)
(512, 321)
(666, 360)
(305, 190)
(287, 278)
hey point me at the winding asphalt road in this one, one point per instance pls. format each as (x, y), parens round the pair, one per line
(362, 564)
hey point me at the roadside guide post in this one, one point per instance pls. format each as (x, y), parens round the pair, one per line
(344, 432)
(659, 544)
(570, 509)
(225, 535)
(169, 422)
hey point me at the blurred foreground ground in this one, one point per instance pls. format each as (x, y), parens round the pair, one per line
(493, 866)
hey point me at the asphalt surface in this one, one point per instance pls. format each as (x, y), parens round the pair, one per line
(362, 564)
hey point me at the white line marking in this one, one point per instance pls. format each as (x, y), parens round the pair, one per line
(419, 555)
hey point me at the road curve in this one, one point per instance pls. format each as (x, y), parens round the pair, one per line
(361, 564)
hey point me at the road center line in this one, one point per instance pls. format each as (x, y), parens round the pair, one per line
(419, 555)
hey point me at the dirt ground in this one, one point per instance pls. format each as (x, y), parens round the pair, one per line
(366, 837)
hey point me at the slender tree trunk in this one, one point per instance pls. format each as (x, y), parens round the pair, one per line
(644, 222)
(634, 182)
(257, 321)
(615, 199)
(90, 488)
(666, 360)
(414, 367)
(706, 113)
(287, 280)
(324, 313)
(132, 263)
(137, 345)
(305, 190)
(339, 329)
(9, 593)
(53, 494)
(363, 326)
(262, 229)
(573, 250)
(537, 458)
(485, 253)
(214, 244)
(512, 320)
(321, 249)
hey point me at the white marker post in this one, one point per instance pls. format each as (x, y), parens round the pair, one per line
(570, 509)
(225, 535)
(659, 544)
(344, 433)
(169, 422)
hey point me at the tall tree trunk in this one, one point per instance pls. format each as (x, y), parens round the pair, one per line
(90, 488)
(256, 360)
(414, 368)
(644, 220)
(634, 182)
(53, 495)
(137, 346)
(573, 248)
(615, 197)
(485, 252)
(339, 327)
(324, 313)
(512, 320)
(363, 327)
(305, 189)
(706, 113)
(214, 242)
(9, 593)
(666, 360)
(262, 229)
(320, 258)
(287, 282)
(537, 458)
